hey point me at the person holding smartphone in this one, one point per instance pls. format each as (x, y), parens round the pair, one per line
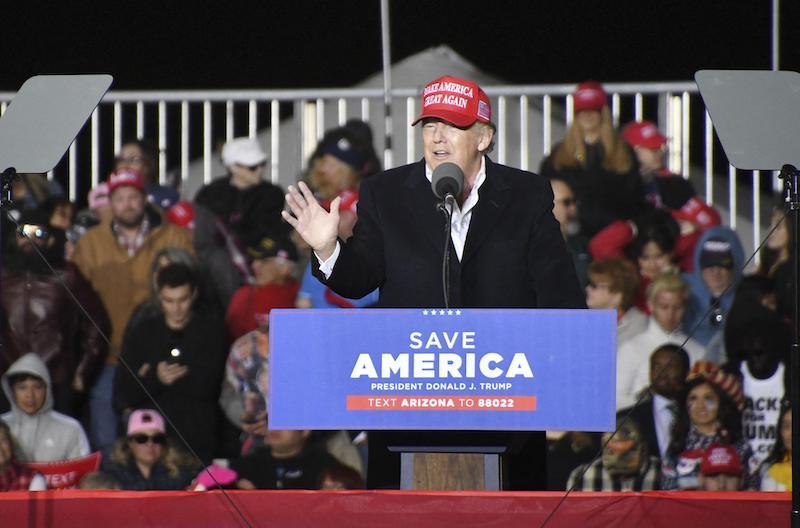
(178, 355)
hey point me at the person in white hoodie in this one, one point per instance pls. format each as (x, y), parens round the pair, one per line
(43, 435)
(666, 297)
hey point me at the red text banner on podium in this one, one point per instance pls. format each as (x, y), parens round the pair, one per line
(493, 369)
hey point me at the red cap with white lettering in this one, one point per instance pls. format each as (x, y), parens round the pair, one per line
(455, 100)
(123, 178)
(721, 459)
(589, 95)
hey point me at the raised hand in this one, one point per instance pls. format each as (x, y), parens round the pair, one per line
(317, 226)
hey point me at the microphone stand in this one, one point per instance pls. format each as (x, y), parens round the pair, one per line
(7, 178)
(791, 196)
(442, 206)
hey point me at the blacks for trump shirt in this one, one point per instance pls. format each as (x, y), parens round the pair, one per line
(761, 413)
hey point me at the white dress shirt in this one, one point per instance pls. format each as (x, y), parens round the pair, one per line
(663, 416)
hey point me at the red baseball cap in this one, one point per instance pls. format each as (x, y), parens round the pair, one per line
(644, 134)
(589, 95)
(181, 214)
(721, 459)
(124, 177)
(455, 100)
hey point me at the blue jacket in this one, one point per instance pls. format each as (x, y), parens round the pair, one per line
(697, 309)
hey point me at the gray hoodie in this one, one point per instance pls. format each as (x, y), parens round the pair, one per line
(46, 435)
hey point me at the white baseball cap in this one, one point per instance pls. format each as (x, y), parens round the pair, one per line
(243, 151)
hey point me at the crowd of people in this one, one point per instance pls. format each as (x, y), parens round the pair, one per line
(162, 363)
(701, 380)
(164, 367)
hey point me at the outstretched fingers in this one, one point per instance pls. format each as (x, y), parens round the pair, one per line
(307, 194)
(315, 224)
(290, 219)
(335, 205)
(295, 200)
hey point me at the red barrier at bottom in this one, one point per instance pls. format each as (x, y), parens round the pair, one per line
(388, 509)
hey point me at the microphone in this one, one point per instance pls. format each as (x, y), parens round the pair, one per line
(447, 180)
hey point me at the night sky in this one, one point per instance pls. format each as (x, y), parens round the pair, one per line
(299, 43)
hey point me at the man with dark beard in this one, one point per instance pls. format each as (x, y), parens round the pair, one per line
(39, 316)
(116, 257)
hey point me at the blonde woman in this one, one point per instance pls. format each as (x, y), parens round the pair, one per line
(145, 460)
(596, 163)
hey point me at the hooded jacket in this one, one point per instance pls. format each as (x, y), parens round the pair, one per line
(46, 435)
(700, 297)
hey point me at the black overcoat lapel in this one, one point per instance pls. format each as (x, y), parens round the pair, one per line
(421, 205)
(493, 197)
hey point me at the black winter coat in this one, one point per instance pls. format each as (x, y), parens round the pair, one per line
(250, 214)
(514, 257)
(191, 401)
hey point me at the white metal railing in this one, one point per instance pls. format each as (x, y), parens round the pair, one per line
(188, 126)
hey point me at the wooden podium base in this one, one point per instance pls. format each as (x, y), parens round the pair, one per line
(449, 471)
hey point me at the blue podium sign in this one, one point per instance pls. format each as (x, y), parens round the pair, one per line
(492, 369)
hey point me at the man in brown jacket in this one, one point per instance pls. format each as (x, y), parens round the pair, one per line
(116, 258)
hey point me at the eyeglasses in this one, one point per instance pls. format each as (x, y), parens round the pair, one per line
(158, 439)
(595, 285)
(254, 168)
(33, 231)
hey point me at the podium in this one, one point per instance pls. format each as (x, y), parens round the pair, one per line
(450, 470)
(452, 391)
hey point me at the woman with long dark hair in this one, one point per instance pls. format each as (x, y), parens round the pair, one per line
(776, 251)
(709, 412)
(649, 243)
(776, 262)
